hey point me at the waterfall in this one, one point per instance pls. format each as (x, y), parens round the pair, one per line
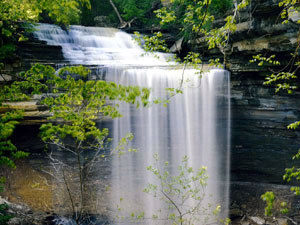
(195, 124)
(96, 46)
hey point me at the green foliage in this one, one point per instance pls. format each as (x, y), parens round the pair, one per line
(4, 216)
(16, 91)
(269, 198)
(152, 43)
(8, 151)
(79, 103)
(61, 11)
(195, 18)
(219, 7)
(261, 60)
(76, 101)
(76, 104)
(138, 9)
(6, 51)
(183, 194)
(14, 12)
(294, 125)
(283, 208)
(283, 80)
(290, 7)
(98, 8)
(190, 17)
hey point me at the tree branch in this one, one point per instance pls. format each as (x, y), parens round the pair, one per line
(116, 11)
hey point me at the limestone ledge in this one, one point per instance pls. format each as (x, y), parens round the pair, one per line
(259, 31)
(35, 112)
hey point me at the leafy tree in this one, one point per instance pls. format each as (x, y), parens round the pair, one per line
(191, 20)
(135, 9)
(13, 13)
(98, 8)
(194, 18)
(21, 89)
(183, 194)
(77, 105)
(121, 13)
(129, 11)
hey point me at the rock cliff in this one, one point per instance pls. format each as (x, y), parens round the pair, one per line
(262, 146)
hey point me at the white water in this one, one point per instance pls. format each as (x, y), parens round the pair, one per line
(97, 46)
(195, 123)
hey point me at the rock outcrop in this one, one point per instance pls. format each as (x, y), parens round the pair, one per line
(259, 31)
(262, 146)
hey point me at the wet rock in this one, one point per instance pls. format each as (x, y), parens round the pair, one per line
(257, 220)
(34, 51)
(235, 211)
(15, 221)
(245, 223)
(282, 221)
(22, 214)
(2, 201)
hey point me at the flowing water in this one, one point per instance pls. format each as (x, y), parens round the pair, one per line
(195, 124)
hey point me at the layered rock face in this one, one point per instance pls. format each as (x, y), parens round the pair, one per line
(28, 53)
(259, 31)
(262, 146)
(38, 51)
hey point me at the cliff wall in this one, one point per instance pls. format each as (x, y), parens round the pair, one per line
(262, 146)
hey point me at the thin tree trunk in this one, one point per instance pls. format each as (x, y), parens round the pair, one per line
(80, 178)
(117, 12)
(69, 193)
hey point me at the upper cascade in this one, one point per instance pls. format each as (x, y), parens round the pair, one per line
(98, 46)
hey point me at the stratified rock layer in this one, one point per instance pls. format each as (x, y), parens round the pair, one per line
(262, 146)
